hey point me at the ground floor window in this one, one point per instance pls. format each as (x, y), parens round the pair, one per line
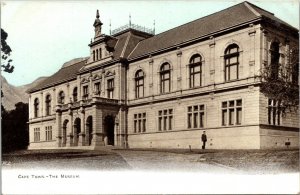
(165, 119)
(274, 112)
(48, 133)
(195, 116)
(36, 134)
(232, 112)
(140, 122)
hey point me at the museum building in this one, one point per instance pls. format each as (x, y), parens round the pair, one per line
(141, 90)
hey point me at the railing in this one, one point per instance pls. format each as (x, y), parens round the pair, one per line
(105, 100)
(135, 27)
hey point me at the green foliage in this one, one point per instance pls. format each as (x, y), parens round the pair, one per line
(15, 134)
(281, 82)
(5, 53)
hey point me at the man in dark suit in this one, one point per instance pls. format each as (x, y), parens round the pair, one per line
(204, 139)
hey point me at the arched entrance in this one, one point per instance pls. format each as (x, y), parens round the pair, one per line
(89, 129)
(64, 133)
(109, 125)
(77, 130)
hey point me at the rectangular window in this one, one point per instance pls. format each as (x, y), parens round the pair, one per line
(97, 88)
(36, 134)
(139, 123)
(48, 131)
(196, 116)
(110, 88)
(85, 92)
(274, 112)
(232, 112)
(165, 119)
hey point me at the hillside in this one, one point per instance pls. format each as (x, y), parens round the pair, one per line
(13, 95)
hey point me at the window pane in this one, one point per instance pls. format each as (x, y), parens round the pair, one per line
(189, 120)
(239, 102)
(160, 113)
(159, 123)
(197, 80)
(201, 120)
(170, 122)
(144, 125)
(231, 116)
(224, 117)
(195, 108)
(190, 109)
(165, 112)
(195, 120)
(233, 72)
(224, 104)
(197, 68)
(167, 86)
(238, 116)
(231, 104)
(170, 111)
(140, 126)
(233, 60)
(201, 107)
(165, 123)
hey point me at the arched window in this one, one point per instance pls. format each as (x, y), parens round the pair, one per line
(94, 56)
(139, 84)
(36, 107)
(231, 58)
(165, 78)
(97, 56)
(275, 55)
(61, 97)
(195, 71)
(75, 94)
(100, 53)
(48, 105)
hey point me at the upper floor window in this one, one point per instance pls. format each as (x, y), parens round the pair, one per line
(48, 105)
(139, 84)
(36, 107)
(94, 56)
(97, 55)
(275, 56)
(165, 78)
(97, 88)
(61, 97)
(231, 58)
(195, 71)
(75, 94)
(85, 91)
(110, 88)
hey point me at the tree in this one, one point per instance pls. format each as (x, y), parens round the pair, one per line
(280, 82)
(15, 134)
(5, 53)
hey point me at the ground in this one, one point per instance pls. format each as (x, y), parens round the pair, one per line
(207, 161)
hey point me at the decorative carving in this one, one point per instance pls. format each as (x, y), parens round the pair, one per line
(110, 73)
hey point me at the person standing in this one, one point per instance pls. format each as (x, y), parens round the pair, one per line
(204, 139)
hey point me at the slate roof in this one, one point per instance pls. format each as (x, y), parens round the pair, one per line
(222, 20)
(64, 74)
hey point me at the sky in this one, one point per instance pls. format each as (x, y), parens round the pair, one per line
(45, 34)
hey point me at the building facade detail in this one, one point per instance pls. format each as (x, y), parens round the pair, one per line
(140, 90)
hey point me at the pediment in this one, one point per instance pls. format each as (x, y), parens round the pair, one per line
(96, 77)
(84, 80)
(110, 73)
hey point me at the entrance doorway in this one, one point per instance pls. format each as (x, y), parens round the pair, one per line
(109, 125)
(76, 131)
(89, 129)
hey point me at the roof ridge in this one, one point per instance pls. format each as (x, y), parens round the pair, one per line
(84, 59)
(251, 8)
(255, 6)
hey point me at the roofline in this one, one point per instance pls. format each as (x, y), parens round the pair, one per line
(195, 39)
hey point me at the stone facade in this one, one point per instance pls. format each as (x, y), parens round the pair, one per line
(164, 99)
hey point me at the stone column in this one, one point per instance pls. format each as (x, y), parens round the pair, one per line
(58, 126)
(81, 141)
(70, 136)
(116, 132)
(151, 76)
(212, 60)
(179, 76)
(97, 128)
(251, 34)
(42, 105)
